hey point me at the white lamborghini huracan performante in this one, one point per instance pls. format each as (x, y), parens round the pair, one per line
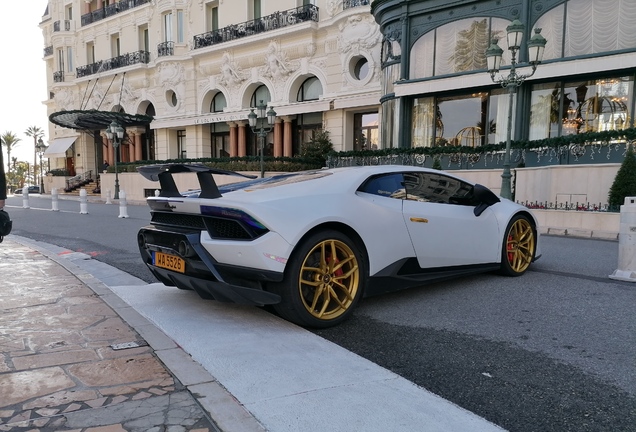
(313, 243)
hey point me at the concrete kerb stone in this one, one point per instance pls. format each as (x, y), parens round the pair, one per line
(205, 389)
(579, 232)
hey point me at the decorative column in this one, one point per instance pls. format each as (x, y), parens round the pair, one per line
(233, 139)
(138, 146)
(108, 149)
(132, 145)
(278, 138)
(287, 137)
(242, 139)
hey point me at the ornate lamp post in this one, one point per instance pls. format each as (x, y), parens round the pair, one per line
(513, 80)
(115, 134)
(40, 148)
(258, 127)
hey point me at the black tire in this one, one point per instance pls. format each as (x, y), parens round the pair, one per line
(519, 246)
(317, 291)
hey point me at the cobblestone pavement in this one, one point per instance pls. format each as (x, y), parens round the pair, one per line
(59, 370)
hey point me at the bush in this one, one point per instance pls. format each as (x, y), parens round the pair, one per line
(318, 147)
(245, 163)
(625, 181)
(59, 172)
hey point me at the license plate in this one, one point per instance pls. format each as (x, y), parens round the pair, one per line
(169, 262)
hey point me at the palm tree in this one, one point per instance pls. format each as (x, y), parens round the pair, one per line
(9, 139)
(35, 132)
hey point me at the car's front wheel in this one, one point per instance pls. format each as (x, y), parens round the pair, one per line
(323, 282)
(519, 245)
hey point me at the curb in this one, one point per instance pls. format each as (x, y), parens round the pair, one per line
(580, 233)
(224, 410)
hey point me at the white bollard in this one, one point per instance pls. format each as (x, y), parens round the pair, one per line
(83, 201)
(25, 197)
(54, 198)
(123, 209)
(157, 192)
(108, 197)
(626, 270)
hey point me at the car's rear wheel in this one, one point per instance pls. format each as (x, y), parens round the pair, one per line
(323, 282)
(519, 244)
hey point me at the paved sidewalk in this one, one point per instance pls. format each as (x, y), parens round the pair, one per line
(61, 312)
(59, 366)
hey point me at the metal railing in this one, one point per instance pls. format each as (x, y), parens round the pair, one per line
(165, 49)
(110, 10)
(347, 4)
(123, 60)
(78, 181)
(570, 206)
(62, 25)
(58, 76)
(260, 25)
(48, 51)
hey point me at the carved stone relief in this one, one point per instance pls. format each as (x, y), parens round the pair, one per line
(358, 33)
(171, 76)
(333, 7)
(231, 73)
(277, 67)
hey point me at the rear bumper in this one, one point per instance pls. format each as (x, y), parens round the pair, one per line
(203, 273)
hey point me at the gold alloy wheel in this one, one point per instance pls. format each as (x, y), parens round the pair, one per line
(520, 245)
(329, 279)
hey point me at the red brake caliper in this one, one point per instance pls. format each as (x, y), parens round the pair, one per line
(338, 272)
(510, 248)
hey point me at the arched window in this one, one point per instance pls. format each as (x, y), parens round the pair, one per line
(456, 47)
(218, 103)
(311, 89)
(260, 94)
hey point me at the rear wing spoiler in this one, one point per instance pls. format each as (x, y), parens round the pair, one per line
(163, 174)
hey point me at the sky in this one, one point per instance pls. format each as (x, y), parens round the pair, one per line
(23, 73)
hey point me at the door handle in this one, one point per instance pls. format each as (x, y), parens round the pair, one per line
(417, 219)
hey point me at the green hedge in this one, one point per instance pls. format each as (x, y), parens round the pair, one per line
(247, 163)
(604, 137)
(59, 172)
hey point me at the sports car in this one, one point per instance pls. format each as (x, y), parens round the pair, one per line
(313, 243)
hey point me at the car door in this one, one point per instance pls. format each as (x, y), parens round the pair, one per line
(440, 218)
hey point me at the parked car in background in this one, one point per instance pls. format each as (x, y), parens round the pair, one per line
(313, 243)
(31, 189)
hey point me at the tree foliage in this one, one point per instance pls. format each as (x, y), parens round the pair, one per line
(9, 140)
(318, 147)
(625, 181)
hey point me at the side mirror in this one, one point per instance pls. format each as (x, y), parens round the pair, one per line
(484, 198)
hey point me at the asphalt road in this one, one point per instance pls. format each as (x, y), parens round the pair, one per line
(554, 350)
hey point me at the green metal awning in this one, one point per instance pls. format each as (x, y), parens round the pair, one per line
(91, 120)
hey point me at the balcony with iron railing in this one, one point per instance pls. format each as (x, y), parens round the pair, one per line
(110, 10)
(58, 76)
(271, 22)
(62, 25)
(121, 61)
(48, 51)
(347, 4)
(165, 49)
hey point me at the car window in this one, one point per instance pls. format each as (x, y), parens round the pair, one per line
(387, 185)
(437, 188)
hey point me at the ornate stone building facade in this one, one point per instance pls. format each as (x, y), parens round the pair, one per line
(197, 67)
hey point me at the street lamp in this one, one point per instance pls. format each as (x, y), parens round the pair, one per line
(261, 131)
(513, 80)
(40, 148)
(115, 134)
